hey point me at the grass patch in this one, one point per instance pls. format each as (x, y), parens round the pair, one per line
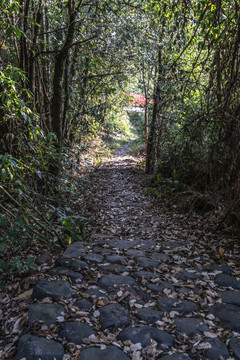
(137, 146)
(114, 141)
(119, 131)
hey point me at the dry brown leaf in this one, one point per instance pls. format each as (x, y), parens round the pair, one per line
(136, 355)
(221, 250)
(27, 294)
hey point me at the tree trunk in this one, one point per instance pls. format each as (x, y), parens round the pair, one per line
(23, 40)
(146, 119)
(31, 68)
(3, 128)
(59, 67)
(67, 97)
(151, 148)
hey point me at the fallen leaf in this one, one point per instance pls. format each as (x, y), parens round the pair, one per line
(25, 295)
(221, 250)
(210, 334)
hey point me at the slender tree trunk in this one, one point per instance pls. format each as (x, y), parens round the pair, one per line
(3, 128)
(59, 67)
(46, 71)
(67, 97)
(23, 41)
(146, 118)
(151, 148)
(31, 68)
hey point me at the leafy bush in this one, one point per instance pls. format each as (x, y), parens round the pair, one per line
(119, 122)
(162, 185)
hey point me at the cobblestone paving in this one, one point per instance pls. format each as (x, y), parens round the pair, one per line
(140, 289)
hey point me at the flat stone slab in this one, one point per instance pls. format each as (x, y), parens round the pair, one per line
(109, 353)
(34, 348)
(184, 290)
(76, 331)
(186, 275)
(47, 313)
(229, 315)
(148, 244)
(145, 275)
(145, 335)
(94, 258)
(54, 289)
(133, 253)
(159, 288)
(211, 268)
(84, 304)
(135, 292)
(100, 250)
(124, 244)
(189, 326)
(234, 345)
(108, 281)
(113, 316)
(227, 281)
(150, 316)
(147, 263)
(231, 297)
(76, 250)
(116, 259)
(171, 304)
(76, 277)
(217, 351)
(72, 264)
(160, 256)
(176, 356)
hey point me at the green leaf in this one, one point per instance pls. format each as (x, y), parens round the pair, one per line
(33, 266)
(9, 32)
(29, 260)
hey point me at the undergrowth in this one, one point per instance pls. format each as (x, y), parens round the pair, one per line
(39, 215)
(118, 131)
(137, 146)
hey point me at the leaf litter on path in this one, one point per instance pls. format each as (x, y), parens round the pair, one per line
(129, 223)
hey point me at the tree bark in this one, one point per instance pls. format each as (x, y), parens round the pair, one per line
(146, 118)
(31, 68)
(151, 150)
(59, 67)
(23, 41)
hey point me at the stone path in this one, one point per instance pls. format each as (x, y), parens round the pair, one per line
(144, 287)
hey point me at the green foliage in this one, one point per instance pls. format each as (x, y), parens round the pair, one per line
(9, 167)
(138, 144)
(162, 185)
(17, 234)
(192, 133)
(32, 198)
(118, 121)
(137, 119)
(73, 228)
